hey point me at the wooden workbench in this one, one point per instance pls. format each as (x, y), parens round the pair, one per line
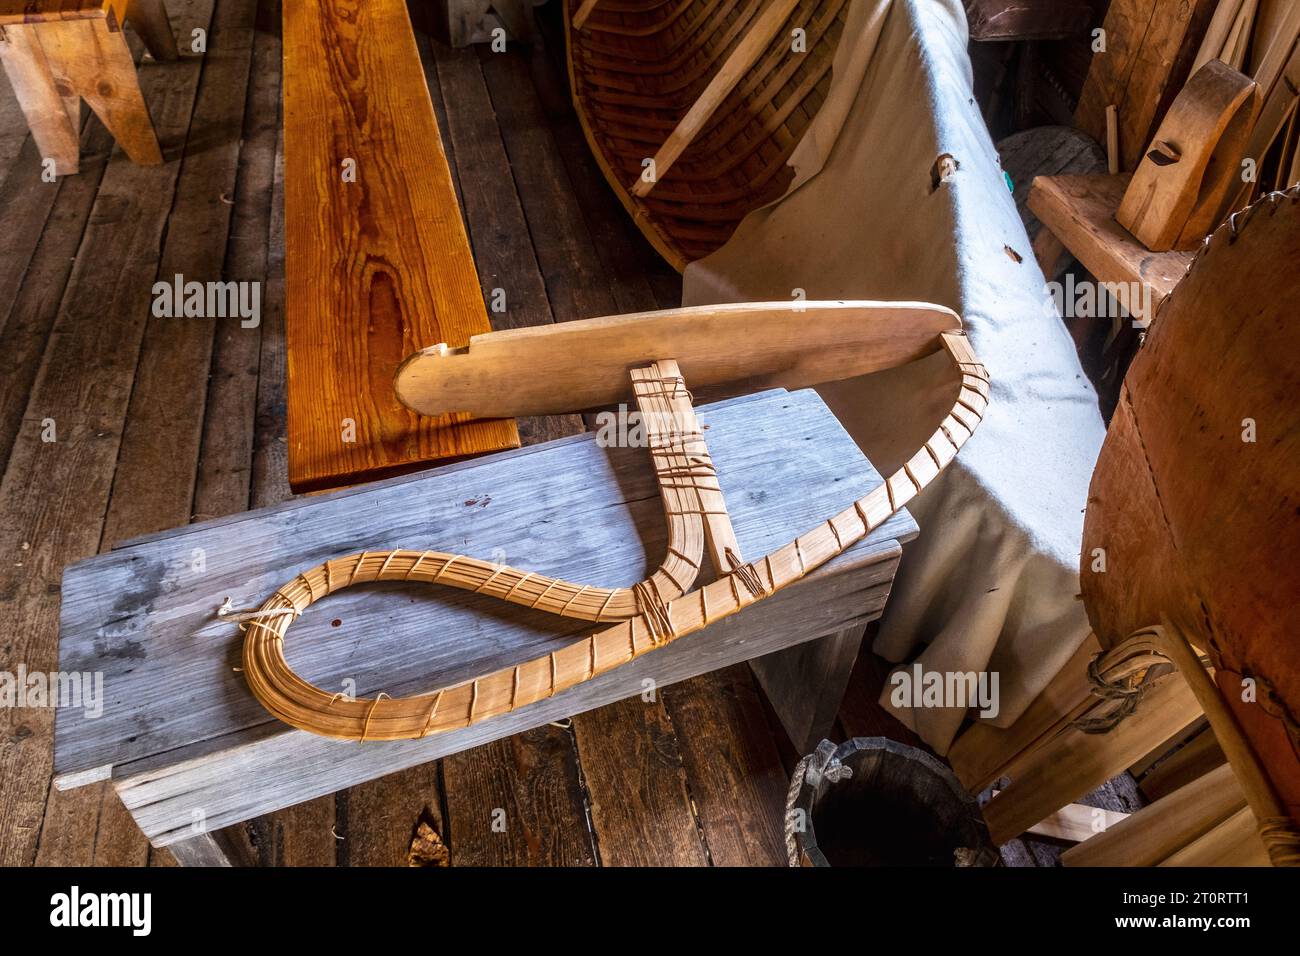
(188, 748)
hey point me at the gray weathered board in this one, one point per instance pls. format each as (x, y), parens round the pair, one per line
(184, 740)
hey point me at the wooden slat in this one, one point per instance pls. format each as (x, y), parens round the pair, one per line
(503, 240)
(382, 816)
(730, 73)
(36, 263)
(1159, 830)
(1073, 762)
(632, 766)
(376, 268)
(157, 462)
(737, 781)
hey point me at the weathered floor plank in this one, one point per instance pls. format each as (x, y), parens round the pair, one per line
(54, 493)
(170, 380)
(733, 766)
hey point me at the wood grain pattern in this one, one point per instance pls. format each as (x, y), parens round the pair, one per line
(737, 780)
(632, 765)
(530, 773)
(1178, 487)
(582, 365)
(1181, 186)
(1160, 829)
(376, 268)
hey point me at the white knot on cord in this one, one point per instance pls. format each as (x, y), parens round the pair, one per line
(241, 616)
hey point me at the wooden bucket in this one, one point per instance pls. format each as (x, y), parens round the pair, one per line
(872, 801)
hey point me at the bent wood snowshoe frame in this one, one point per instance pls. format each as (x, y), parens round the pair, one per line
(658, 610)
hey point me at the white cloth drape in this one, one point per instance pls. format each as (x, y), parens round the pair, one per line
(992, 582)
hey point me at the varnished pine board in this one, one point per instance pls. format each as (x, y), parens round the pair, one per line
(54, 495)
(773, 494)
(375, 268)
(36, 11)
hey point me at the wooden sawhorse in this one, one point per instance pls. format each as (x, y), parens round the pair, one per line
(57, 54)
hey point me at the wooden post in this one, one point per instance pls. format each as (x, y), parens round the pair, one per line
(805, 684)
(149, 18)
(92, 60)
(52, 110)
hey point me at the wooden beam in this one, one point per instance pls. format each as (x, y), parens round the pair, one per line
(1234, 842)
(1080, 210)
(579, 365)
(377, 260)
(1160, 829)
(733, 69)
(1073, 763)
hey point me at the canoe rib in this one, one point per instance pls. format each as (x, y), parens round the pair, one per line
(690, 85)
(719, 88)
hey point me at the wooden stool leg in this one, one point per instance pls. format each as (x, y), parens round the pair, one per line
(805, 684)
(53, 110)
(94, 60)
(216, 848)
(149, 19)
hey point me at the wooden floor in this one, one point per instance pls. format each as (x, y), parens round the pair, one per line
(161, 421)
